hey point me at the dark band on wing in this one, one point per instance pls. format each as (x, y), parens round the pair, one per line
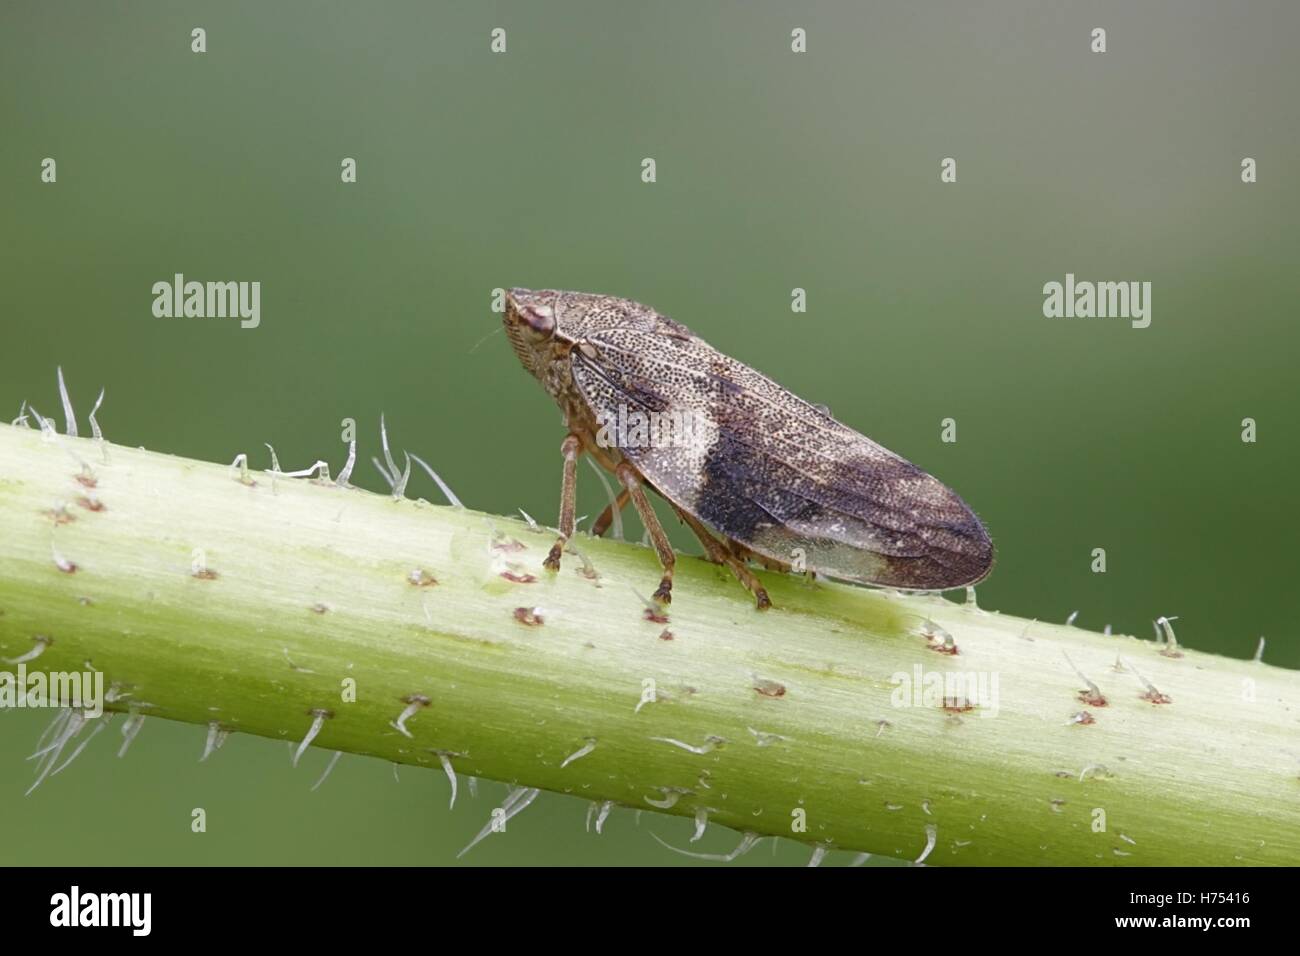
(926, 541)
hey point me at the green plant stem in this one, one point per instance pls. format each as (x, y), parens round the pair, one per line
(763, 721)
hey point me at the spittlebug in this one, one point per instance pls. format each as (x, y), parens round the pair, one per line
(777, 479)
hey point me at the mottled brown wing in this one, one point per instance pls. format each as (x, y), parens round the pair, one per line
(765, 468)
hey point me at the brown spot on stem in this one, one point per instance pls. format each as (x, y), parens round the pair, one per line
(769, 688)
(529, 616)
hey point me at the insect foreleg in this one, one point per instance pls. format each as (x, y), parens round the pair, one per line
(630, 480)
(607, 516)
(571, 448)
(719, 553)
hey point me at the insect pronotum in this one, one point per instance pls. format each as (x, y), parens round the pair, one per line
(755, 471)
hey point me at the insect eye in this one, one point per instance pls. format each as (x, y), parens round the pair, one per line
(539, 318)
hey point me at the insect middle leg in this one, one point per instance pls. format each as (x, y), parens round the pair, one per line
(720, 554)
(571, 448)
(667, 558)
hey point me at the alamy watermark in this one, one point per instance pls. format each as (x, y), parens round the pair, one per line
(133, 911)
(1075, 299)
(954, 691)
(633, 428)
(83, 690)
(208, 300)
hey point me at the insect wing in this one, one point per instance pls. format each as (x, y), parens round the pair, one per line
(765, 468)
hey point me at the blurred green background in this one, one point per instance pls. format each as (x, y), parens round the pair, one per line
(775, 171)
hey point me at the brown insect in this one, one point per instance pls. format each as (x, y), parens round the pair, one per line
(777, 479)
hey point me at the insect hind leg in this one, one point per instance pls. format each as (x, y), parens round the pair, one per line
(719, 553)
(747, 554)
